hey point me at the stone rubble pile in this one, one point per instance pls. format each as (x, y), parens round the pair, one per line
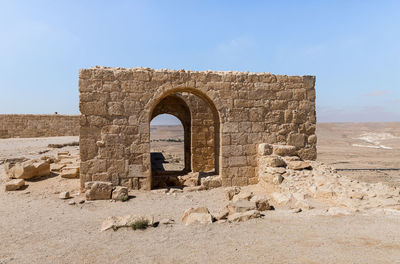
(65, 164)
(294, 183)
(242, 206)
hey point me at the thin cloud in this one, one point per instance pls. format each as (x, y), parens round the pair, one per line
(236, 45)
(356, 114)
(377, 93)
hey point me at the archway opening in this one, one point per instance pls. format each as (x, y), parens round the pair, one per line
(167, 145)
(201, 125)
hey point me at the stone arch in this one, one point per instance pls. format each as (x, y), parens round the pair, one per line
(159, 97)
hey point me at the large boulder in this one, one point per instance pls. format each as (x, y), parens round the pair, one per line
(199, 215)
(14, 184)
(98, 190)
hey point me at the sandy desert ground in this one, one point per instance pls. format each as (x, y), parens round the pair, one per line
(37, 227)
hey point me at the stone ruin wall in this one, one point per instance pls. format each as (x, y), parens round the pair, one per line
(26, 126)
(244, 110)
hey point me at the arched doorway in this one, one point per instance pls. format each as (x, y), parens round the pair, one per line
(175, 106)
(201, 123)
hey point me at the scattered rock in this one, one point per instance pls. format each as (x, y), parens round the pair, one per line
(297, 210)
(115, 222)
(120, 193)
(242, 195)
(211, 182)
(29, 169)
(64, 195)
(299, 165)
(261, 202)
(223, 214)
(164, 190)
(175, 190)
(98, 190)
(231, 191)
(14, 184)
(191, 179)
(281, 198)
(199, 215)
(70, 173)
(241, 206)
(244, 216)
(274, 161)
(71, 202)
(277, 179)
(57, 167)
(167, 221)
(194, 189)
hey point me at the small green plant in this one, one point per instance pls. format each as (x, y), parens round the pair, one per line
(140, 224)
(124, 198)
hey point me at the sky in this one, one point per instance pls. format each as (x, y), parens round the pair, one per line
(353, 48)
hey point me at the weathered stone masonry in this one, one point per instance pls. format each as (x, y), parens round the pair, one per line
(25, 126)
(230, 114)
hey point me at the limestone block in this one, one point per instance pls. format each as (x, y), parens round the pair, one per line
(14, 184)
(120, 193)
(30, 169)
(70, 173)
(298, 165)
(273, 161)
(99, 190)
(57, 166)
(264, 149)
(312, 139)
(297, 140)
(211, 182)
(284, 150)
(64, 195)
(199, 215)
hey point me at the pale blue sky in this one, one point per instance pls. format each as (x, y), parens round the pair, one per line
(353, 47)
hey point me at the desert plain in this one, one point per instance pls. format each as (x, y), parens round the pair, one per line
(38, 227)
